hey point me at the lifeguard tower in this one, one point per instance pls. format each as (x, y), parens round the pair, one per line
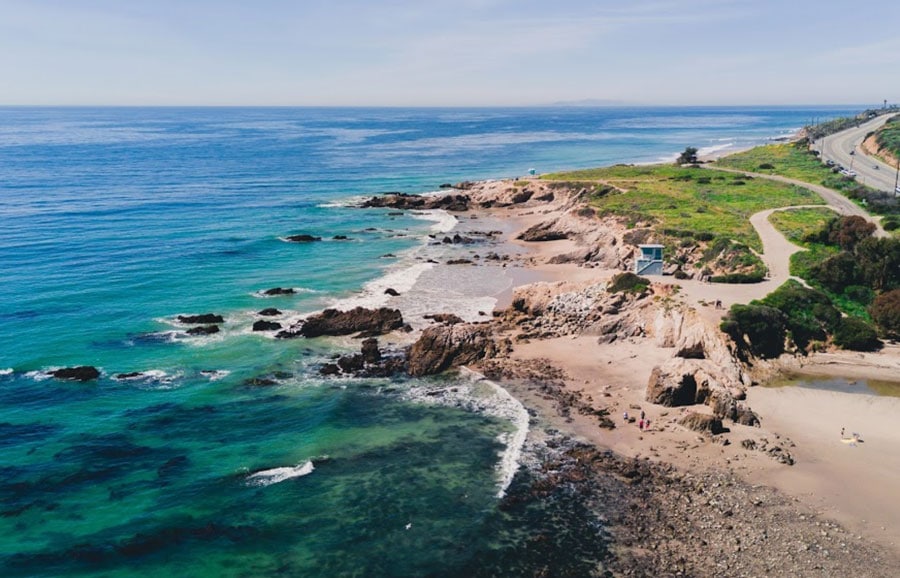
(650, 261)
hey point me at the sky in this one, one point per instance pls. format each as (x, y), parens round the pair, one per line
(448, 52)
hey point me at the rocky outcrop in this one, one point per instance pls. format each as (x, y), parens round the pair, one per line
(370, 362)
(543, 232)
(275, 291)
(334, 322)
(302, 238)
(702, 423)
(442, 347)
(269, 312)
(79, 373)
(406, 201)
(203, 330)
(202, 319)
(263, 325)
(445, 318)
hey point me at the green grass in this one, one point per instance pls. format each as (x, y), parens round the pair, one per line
(687, 199)
(787, 160)
(797, 224)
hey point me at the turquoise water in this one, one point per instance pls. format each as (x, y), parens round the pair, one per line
(115, 221)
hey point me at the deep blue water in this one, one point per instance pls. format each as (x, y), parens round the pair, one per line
(114, 221)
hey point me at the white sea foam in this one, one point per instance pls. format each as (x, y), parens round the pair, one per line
(277, 475)
(215, 374)
(710, 150)
(7, 371)
(373, 293)
(348, 202)
(443, 221)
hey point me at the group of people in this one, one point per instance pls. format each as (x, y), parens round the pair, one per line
(643, 423)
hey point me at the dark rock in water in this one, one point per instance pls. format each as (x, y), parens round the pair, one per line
(266, 326)
(291, 333)
(260, 382)
(202, 319)
(203, 330)
(702, 423)
(445, 186)
(279, 291)
(370, 351)
(330, 369)
(80, 373)
(396, 214)
(359, 319)
(351, 363)
(302, 238)
(282, 374)
(130, 375)
(445, 318)
(388, 256)
(341, 238)
(444, 346)
(269, 312)
(391, 291)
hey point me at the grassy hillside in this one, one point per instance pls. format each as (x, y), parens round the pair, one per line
(889, 137)
(682, 200)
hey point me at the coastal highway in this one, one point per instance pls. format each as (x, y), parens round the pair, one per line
(837, 147)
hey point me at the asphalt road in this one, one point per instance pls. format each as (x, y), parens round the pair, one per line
(837, 147)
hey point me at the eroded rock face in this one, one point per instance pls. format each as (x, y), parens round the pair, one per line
(674, 388)
(406, 201)
(445, 318)
(442, 347)
(80, 373)
(357, 320)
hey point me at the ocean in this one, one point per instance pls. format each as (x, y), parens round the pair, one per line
(115, 221)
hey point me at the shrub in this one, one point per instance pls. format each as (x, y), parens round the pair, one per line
(766, 166)
(628, 282)
(704, 236)
(688, 157)
(857, 335)
(890, 225)
(859, 294)
(885, 311)
(679, 274)
(740, 278)
(757, 327)
(837, 272)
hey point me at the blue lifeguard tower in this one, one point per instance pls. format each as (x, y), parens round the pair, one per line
(650, 261)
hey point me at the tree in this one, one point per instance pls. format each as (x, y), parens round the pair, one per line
(879, 261)
(837, 272)
(885, 312)
(688, 157)
(847, 232)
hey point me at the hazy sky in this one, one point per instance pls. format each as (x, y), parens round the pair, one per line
(448, 52)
